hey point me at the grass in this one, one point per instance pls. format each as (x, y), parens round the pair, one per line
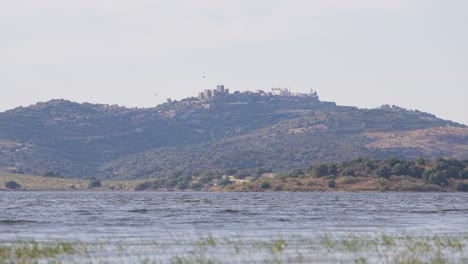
(40, 183)
(32, 251)
(383, 248)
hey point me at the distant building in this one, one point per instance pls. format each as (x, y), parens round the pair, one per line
(209, 94)
(201, 96)
(221, 91)
(280, 91)
(312, 93)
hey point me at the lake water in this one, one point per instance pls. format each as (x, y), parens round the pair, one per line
(155, 217)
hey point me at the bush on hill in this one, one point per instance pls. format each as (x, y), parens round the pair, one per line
(12, 185)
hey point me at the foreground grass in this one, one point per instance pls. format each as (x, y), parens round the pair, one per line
(32, 251)
(238, 249)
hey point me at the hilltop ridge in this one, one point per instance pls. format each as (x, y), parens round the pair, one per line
(278, 129)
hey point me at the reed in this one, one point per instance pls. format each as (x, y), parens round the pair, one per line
(332, 248)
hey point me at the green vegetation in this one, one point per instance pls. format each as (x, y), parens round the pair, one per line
(461, 187)
(94, 183)
(41, 183)
(329, 248)
(32, 252)
(265, 185)
(12, 185)
(355, 175)
(360, 174)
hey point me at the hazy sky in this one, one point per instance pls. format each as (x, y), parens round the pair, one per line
(365, 53)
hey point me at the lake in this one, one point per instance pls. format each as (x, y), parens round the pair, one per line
(176, 223)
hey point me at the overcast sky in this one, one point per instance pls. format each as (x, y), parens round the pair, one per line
(365, 53)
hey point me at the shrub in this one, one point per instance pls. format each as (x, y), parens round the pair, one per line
(421, 161)
(265, 185)
(392, 161)
(142, 186)
(196, 186)
(436, 177)
(223, 182)
(382, 184)
(279, 187)
(332, 168)
(12, 185)
(230, 172)
(371, 165)
(171, 183)
(383, 172)
(95, 184)
(205, 179)
(182, 185)
(331, 184)
(415, 171)
(295, 173)
(347, 179)
(417, 186)
(462, 187)
(399, 169)
(320, 170)
(348, 172)
(242, 174)
(283, 176)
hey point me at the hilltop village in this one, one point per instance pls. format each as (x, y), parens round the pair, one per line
(279, 99)
(284, 93)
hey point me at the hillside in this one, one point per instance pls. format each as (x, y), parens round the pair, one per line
(245, 130)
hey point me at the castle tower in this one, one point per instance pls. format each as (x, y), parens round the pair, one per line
(220, 89)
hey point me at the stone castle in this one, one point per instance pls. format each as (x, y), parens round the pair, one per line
(221, 91)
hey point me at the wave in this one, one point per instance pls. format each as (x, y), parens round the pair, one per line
(138, 211)
(13, 222)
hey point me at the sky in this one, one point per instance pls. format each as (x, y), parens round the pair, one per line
(364, 53)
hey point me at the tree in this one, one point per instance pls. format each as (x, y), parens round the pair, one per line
(94, 184)
(12, 185)
(462, 187)
(223, 182)
(349, 172)
(265, 185)
(142, 186)
(295, 173)
(196, 186)
(392, 161)
(399, 169)
(383, 171)
(436, 177)
(320, 170)
(415, 171)
(332, 168)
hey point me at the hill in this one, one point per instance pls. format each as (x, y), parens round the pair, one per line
(247, 130)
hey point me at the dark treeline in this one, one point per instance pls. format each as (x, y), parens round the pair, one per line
(437, 173)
